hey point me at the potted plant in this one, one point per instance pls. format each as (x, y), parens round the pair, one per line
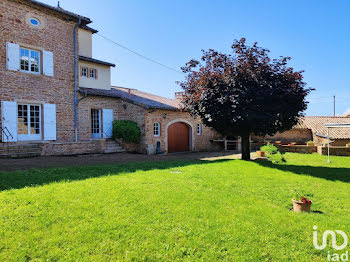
(301, 203)
(310, 143)
(260, 153)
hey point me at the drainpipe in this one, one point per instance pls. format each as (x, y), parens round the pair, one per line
(76, 81)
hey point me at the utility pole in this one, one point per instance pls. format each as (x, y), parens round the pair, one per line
(334, 105)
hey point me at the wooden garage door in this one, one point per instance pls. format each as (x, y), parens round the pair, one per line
(178, 137)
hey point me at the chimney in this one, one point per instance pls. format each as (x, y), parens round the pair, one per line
(179, 96)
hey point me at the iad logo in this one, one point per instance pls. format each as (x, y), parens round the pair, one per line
(334, 239)
(335, 256)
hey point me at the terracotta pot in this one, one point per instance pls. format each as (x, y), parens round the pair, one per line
(260, 153)
(299, 206)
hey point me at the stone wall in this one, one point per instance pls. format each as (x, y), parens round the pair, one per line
(297, 149)
(293, 135)
(73, 148)
(334, 151)
(121, 110)
(55, 35)
(166, 118)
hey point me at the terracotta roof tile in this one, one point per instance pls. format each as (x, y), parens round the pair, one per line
(317, 125)
(137, 97)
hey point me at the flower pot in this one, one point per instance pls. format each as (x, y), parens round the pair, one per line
(299, 206)
(260, 153)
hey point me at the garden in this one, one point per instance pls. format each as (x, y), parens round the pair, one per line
(181, 210)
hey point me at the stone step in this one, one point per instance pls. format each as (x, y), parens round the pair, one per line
(19, 146)
(20, 155)
(113, 147)
(114, 151)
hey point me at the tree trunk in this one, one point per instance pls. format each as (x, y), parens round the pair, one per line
(245, 147)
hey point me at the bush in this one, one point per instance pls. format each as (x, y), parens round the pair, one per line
(127, 130)
(269, 149)
(310, 143)
(273, 154)
(277, 158)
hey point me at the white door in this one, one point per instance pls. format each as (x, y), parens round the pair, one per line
(95, 123)
(9, 121)
(107, 115)
(29, 122)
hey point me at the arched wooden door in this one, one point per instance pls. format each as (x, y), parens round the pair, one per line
(178, 137)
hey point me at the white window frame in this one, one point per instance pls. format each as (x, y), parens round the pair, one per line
(29, 61)
(199, 129)
(82, 72)
(93, 72)
(29, 136)
(156, 129)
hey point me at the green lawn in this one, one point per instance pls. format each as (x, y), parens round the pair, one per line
(222, 210)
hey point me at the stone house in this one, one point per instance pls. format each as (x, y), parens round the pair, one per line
(57, 99)
(312, 128)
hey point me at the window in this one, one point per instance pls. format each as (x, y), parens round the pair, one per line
(34, 21)
(30, 61)
(96, 123)
(29, 122)
(93, 73)
(199, 129)
(156, 129)
(84, 72)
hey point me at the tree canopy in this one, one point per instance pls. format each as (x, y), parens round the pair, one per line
(245, 92)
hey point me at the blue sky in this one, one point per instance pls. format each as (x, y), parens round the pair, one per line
(315, 33)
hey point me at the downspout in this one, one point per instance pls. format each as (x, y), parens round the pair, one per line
(76, 81)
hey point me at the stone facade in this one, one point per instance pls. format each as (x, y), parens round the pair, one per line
(200, 142)
(122, 110)
(39, 89)
(55, 34)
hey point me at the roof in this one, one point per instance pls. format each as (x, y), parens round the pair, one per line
(89, 59)
(59, 10)
(137, 97)
(317, 126)
(94, 31)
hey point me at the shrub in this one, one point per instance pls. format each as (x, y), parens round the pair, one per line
(127, 130)
(277, 158)
(310, 143)
(273, 154)
(269, 149)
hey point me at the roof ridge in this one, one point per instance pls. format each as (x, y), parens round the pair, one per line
(327, 116)
(143, 92)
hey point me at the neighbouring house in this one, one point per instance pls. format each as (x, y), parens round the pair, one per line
(57, 99)
(312, 128)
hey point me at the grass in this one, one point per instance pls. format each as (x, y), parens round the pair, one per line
(188, 210)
